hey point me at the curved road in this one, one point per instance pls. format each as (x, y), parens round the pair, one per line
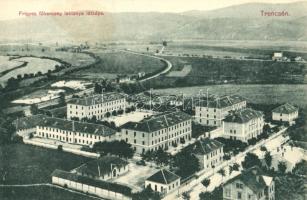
(167, 69)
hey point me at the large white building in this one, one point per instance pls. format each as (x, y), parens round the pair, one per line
(285, 113)
(213, 111)
(74, 132)
(243, 125)
(97, 105)
(209, 153)
(66, 131)
(158, 131)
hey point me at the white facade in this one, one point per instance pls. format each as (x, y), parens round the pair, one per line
(284, 117)
(163, 138)
(213, 116)
(243, 131)
(72, 137)
(95, 108)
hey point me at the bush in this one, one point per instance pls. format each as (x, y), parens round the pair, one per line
(60, 148)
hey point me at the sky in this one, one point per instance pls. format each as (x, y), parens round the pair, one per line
(9, 9)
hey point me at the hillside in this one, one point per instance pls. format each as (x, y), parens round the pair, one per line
(242, 22)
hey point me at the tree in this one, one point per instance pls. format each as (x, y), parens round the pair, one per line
(185, 168)
(268, 159)
(114, 113)
(162, 157)
(266, 128)
(62, 98)
(282, 167)
(97, 88)
(186, 196)
(119, 148)
(34, 109)
(206, 183)
(251, 160)
(108, 114)
(222, 173)
(235, 167)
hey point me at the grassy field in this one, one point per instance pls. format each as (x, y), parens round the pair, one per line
(39, 193)
(119, 63)
(75, 59)
(24, 164)
(264, 94)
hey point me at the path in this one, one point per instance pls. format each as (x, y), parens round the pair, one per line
(167, 69)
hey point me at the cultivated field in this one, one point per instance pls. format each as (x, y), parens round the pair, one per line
(25, 164)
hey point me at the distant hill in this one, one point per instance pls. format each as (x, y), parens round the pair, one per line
(241, 22)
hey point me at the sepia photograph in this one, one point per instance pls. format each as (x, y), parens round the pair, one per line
(153, 100)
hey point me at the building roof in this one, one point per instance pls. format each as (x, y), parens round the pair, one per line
(253, 178)
(92, 182)
(102, 166)
(243, 115)
(28, 122)
(285, 109)
(158, 122)
(163, 176)
(97, 99)
(63, 124)
(206, 146)
(221, 102)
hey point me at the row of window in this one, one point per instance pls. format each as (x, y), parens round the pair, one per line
(92, 136)
(101, 105)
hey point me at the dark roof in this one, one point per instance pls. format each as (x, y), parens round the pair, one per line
(206, 146)
(285, 109)
(221, 102)
(92, 182)
(97, 99)
(28, 122)
(67, 125)
(158, 122)
(163, 176)
(243, 115)
(101, 166)
(252, 178)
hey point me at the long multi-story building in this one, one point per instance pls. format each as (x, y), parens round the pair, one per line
(211, 112)
(159, 131)
(243, 124)
(74, 132)
(97, 105)
(65, 130)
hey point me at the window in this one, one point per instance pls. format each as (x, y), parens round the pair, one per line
(227, 192)
(134, 134)
(239, 195)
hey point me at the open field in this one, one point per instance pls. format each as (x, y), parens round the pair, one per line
(39, 193)
(264, 94)
(75, 59)
(34, 65)
(25, 164)
(119, 63)
(7, 64)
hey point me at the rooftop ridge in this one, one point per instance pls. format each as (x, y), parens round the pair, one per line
(163, 176)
